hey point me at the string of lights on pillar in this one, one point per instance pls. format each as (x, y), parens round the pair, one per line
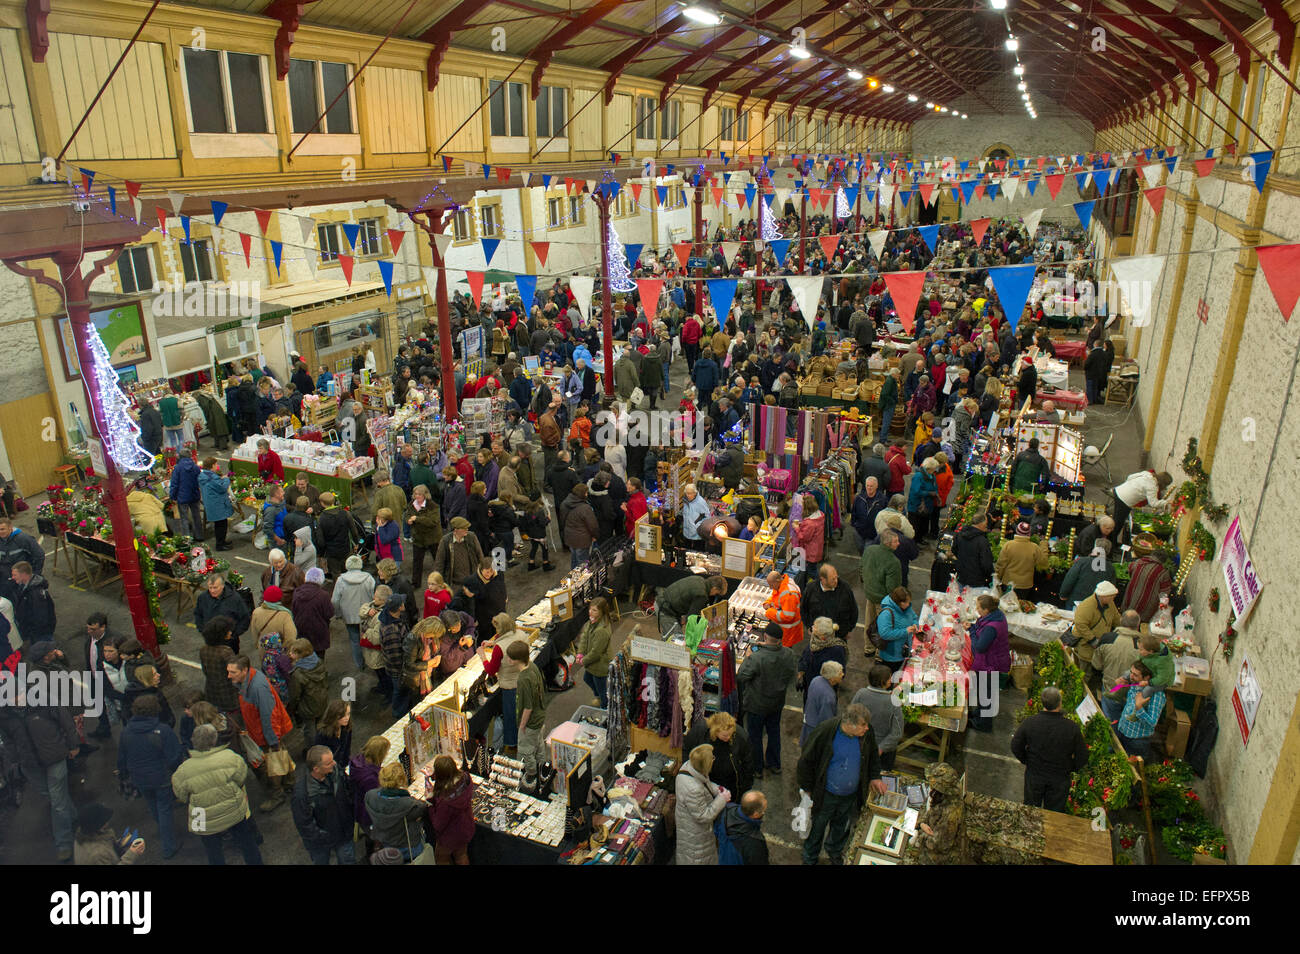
(620, 276)
(766, 226)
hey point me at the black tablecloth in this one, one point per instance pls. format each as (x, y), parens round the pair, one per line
(489, 847)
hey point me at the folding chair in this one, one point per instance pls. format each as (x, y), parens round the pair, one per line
(1096, 459)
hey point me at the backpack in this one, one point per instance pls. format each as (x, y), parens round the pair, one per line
(728, 854)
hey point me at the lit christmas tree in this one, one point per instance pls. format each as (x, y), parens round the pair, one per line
(766, 226)
(620, 276)
(122, 442)
(842, 204)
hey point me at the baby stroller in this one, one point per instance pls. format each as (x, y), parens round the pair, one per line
(366, 535)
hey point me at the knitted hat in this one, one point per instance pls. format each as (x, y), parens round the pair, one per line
(395, 603)
(1023, 529)
(354, 562)
(1106, 588)
(316, 575)
(93, 816)
(459, 523)
(272, 594)
(387, 856)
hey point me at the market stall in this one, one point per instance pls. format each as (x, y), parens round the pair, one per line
(327, 466)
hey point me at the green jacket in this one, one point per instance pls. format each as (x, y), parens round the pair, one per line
(765, 677)
(816, 759)
(309, 691)
(686, 597)
(881, 572)
(531, 694)
(391, 496)
(214, 782)
(527, 478)
(593, 643)
(422, 474)
(427, 529)
(1162, 667)
(888, 394)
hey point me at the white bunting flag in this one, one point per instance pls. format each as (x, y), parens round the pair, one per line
(729, 250)
(443, 242)
(431, 281)
(1137, 277)
(1031, 221)
(308, 226)
(877, 240)
(1151, 172)
(177, 199)
(581, 286)
(1010, 186)
(807, 291)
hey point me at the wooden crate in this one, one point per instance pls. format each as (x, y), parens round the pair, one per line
(639, 738)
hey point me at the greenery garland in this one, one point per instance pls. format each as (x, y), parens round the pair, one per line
(150, 586)
(1196, 490)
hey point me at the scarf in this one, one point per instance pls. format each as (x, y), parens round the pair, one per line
(276, 606)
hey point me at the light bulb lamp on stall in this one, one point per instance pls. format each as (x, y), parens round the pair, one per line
(74, 288)
(720, 528)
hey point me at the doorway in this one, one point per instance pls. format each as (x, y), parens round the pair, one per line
(25, 424)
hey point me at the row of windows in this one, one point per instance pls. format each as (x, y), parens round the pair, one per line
(135, 264)
(228, 94)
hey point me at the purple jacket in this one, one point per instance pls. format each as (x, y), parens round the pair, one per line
(452, 817)
(364, 777)
(990, 645)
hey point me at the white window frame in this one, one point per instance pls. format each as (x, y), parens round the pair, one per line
(130, 254)
(645, 118)
(331, 247)
(370, 238)
(548, 94)
(504, 87)
(726, 123)
(555, 212)
(227, 97)
(670, 120)
(463, 225)
(576, 209)
(193, 249)
(488, 225)
(318, 76)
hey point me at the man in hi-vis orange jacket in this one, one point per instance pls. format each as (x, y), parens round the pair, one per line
(782, 608)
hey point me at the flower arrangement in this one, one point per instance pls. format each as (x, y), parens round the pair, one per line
(1106, 782)
(1203, 541)
(1126, 841)
(1213, 600)
(1185, 829)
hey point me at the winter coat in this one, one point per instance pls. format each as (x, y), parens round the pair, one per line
(273, 522)
(304, 552)
(974, 557)
(148, 752)
(764, 678)
(184, 485)
(899, 468)
(816, 759)
(265, 619)
(607, 514)
(33, 609)
(1092, 621)
(19, 546)
(990, 643)
(881, 572)
(322, 809)
(392, 497)
(865, 510)
(214, 488)
(213, 781)
(388, 541)
(217, 688)
(352, 591)
(230, 604)
(364, 777)
(395, 818)
(457, 560)
(886, 716)
(337, 532)
(838, 605)
(146, 512)
(699, 802)
(921, 496)
(593, 644)
(291, 577)
(706, 376)
(44, 734)
(811, 535)
(1082, 578)
(626, 379)
(733, 762)
(151, 429)
(1017, 561)
(578, 523)
(891, 624)
(312, 612)
(100, 850)
(309, 689)
(745, 835)
(452, 816)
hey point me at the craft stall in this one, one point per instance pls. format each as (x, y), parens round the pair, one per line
(934, 681)
(329, 467)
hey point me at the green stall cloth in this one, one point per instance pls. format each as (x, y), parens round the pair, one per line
(341, 487)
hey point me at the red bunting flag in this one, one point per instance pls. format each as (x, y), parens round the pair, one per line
(927, 191)
(1204, 167)
(475, 280)
(568, 185)
(650, 289)
(829, 244)
(541, 250)
(636, 191)
(503, 174)
(132, 189)
(395, 237)
(978, 227)
(246, 240)
(1281, 266)
(263, 219)
(979, 191)
(1054, 184)
(346, 261)
(162, 219)
(683, 252)
(905, 289)
(708, 153)
(1041, 161)
(717, 195)
(1156, 197)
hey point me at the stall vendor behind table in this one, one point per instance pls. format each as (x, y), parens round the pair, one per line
(1147, 489)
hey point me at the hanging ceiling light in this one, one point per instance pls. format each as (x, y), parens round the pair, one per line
(911, 98)
(998, 4)
(929, 105)
(1013, 44)
(1019, 70)
(873, 82)
(964, 116)
(887, 88)
(1022, 87)
(799, 52)
(855, 75)
(702, 15)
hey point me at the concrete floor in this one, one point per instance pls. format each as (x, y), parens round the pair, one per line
(25, 835)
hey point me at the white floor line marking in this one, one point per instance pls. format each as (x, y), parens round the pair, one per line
(992, 755)
(247, 560)
(184, 662)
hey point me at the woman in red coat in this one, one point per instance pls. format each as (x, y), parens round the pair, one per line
(451, 812)
(269, 466)
(635, 506)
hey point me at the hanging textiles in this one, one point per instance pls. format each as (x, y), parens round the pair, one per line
(729, 698)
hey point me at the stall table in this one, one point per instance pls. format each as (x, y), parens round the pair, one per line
(1064, 398)
(1070, 350)
(341, 487)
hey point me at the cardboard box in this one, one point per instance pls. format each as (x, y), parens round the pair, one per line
(1179, 727)
(1121, 345)
(1192, 675)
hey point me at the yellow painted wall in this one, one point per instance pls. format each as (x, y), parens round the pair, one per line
(132, 119)
(17, 131)
(395, 117)
(454, 98)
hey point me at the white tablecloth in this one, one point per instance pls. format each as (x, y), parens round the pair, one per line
(1033, 628)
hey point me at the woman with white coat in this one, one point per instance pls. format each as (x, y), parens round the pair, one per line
(699, 802)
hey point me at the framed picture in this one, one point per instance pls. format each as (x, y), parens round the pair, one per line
(122, 330)
(883, 834)
(128, 375)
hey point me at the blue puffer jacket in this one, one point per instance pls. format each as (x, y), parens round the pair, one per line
(149, 751)
(922, 493)
(892, 625)
(215, 490)
(184, 487)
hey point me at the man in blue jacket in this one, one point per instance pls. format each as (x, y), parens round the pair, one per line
(147, 755)
(706, 376)
(184, 491)
(18, 547)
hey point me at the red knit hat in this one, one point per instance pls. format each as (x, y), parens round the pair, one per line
(272, 594)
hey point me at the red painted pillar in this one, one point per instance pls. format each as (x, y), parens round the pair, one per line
(698, 248)
(606, 300)
(114, 493)
(803, 224)
(433, 226)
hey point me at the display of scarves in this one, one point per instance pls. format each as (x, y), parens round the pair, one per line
(728, 700)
